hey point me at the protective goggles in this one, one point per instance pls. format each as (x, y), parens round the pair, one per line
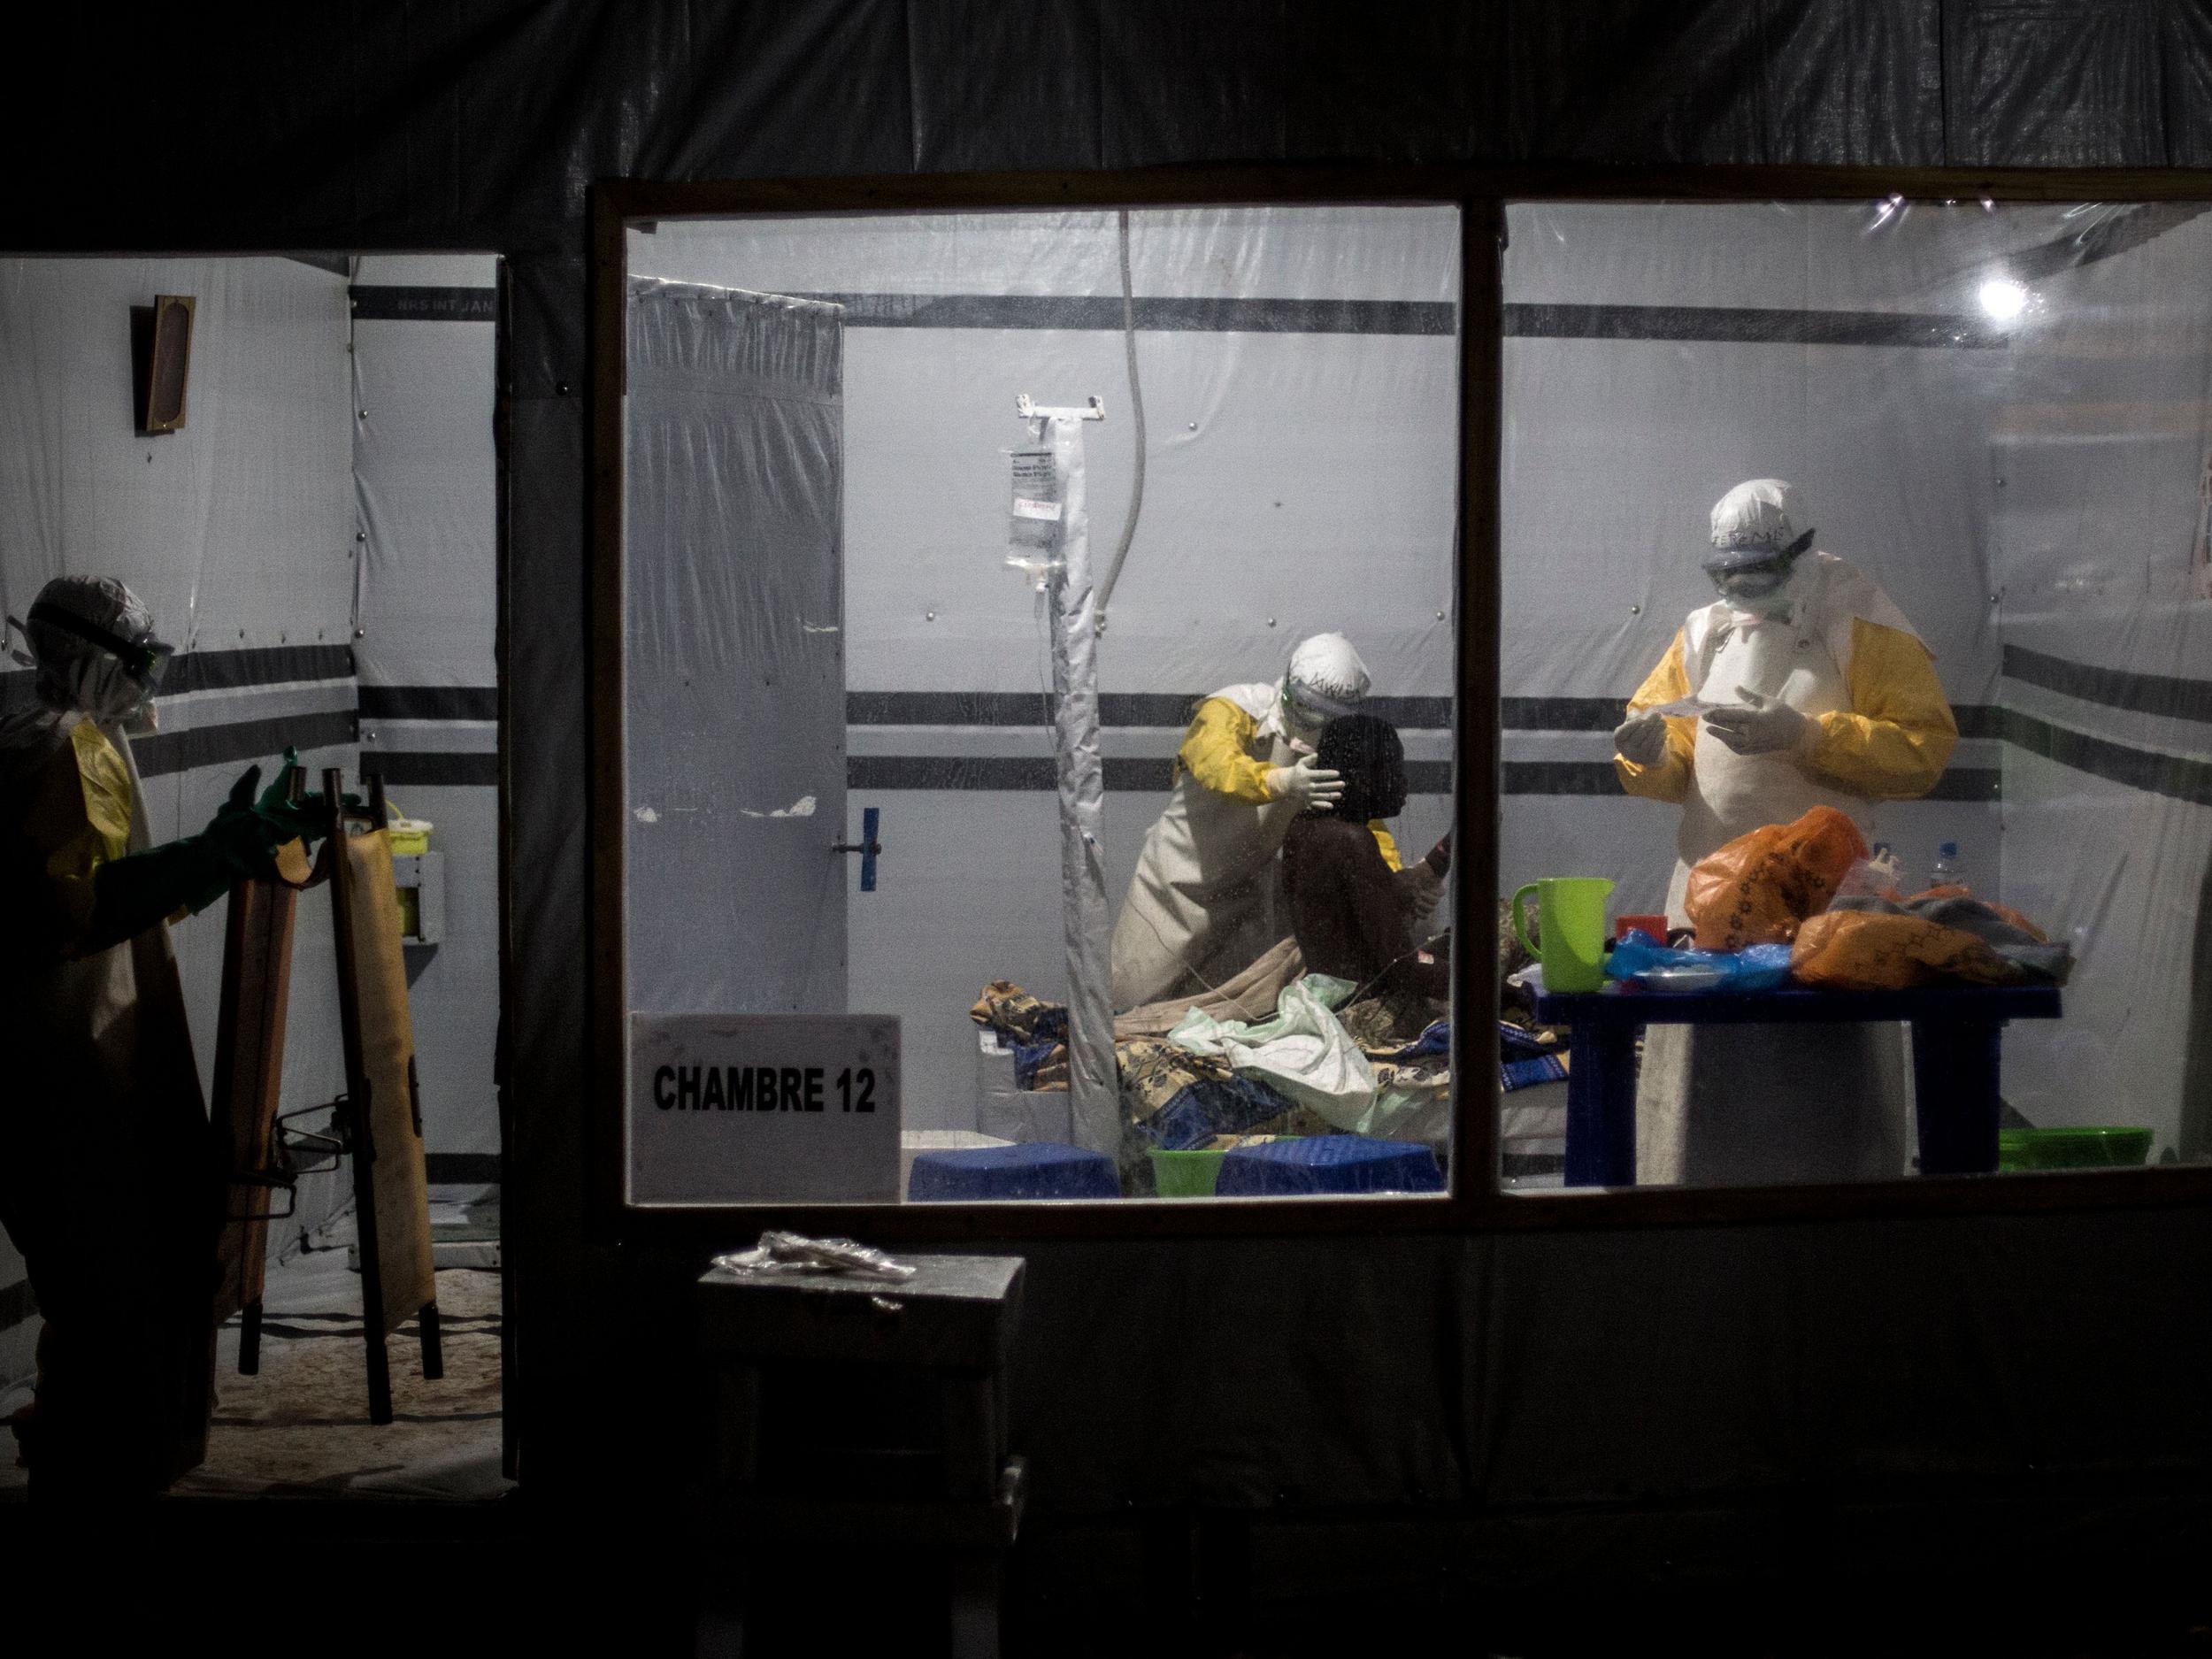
(1316, 707)
(143, 660)
(1771, 564)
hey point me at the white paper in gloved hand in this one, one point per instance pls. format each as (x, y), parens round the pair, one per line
(1690, 708)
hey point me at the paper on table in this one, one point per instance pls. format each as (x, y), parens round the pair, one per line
(1691, 708)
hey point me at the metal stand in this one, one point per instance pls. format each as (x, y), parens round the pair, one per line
(1093, 1077)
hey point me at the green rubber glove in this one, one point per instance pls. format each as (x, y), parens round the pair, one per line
(239, 844)
(304, 821)
(131, 893)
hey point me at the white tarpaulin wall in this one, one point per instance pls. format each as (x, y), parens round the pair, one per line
(424, 477)
(2026, 490)
(1300, 377)
(237, 530)
(2106, 693)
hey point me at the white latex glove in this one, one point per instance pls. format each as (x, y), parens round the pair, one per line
(1308, 783)
(1642, 739)
(1762, 727)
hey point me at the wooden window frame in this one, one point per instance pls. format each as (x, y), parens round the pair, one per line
(1475, 1202)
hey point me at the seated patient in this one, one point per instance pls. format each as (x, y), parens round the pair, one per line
(1349, 910)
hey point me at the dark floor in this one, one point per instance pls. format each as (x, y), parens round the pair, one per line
(300, 1426)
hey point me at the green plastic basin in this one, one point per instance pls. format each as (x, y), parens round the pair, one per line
(2075, 1148)
(1187, 1174)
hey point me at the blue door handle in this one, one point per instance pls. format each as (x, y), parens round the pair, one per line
(868, 847)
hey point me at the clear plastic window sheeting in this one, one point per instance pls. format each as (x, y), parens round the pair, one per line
(1138, 842)
(1857, 608)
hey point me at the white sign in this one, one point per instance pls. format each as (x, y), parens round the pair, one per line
(748, 1109)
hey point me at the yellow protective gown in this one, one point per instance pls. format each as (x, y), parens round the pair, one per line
(108, 1174)
(1206, 900)
(1758, 1104)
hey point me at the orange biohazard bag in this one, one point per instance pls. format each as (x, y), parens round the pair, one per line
(1760, 888)
(1866, 950)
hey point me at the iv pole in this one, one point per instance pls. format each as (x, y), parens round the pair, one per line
(1094, 1080)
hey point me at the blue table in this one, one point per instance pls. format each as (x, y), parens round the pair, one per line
(1026, 1169)
(1956, 1036)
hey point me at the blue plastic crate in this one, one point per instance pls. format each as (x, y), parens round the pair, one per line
(1028, 1168)
(1328, 1164)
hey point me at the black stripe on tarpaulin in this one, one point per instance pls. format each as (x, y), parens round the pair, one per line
(1562, 714)
(257, 665)
(1978, 720)
(1161, 314)
(455, 1168)
(167, 753)
(1174, 710)
(1749, 325)
(2177, 777)
(2116, 234)
(18, 1303)
(1558, 776)
(433, 768)
(375, 302)
(1023, 774)
(218, 671)
(1602, 714)
(1115, 709)
(429, 702)
(2164, 694)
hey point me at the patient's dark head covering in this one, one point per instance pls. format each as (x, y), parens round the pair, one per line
(1368, 752)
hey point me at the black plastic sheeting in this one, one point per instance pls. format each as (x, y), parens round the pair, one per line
(1552, 1369)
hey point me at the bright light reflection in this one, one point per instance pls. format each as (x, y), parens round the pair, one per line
(2003, 298)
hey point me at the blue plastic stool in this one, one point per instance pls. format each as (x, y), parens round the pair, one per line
(1028, 1168)
(1328, 1163)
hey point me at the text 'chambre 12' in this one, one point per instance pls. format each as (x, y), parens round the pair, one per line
(761, 1088)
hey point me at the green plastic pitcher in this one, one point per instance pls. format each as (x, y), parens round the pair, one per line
(1570, 917)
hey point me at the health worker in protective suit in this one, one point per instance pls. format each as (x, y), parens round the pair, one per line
(1828, 698)
(1206, 901)
(110, 1178)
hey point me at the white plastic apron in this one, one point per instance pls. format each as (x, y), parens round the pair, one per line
(1206, 901)
(1763, 1104)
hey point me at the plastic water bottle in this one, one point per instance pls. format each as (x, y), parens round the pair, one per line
(1950, 868)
